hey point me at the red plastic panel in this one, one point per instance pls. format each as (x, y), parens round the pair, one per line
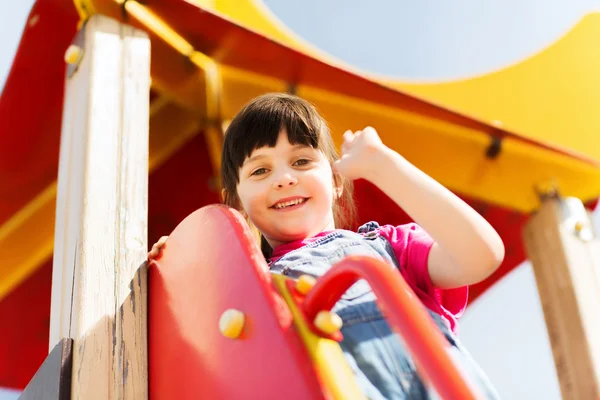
(208, 265)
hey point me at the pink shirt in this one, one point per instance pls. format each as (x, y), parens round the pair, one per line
(411, 246)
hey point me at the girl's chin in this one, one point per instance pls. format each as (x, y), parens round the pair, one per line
(291, 234)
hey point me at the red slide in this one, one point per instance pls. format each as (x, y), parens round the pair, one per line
(211, 264)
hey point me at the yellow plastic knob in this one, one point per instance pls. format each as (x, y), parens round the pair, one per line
(328, 322)
(231, 323)
(579, 226)
(305, 283)
(73, 54)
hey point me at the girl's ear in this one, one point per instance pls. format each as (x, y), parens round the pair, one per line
(338, 187)
(337, 192)
(223, 195)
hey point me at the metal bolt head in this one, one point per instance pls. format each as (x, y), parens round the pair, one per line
(328, 322)
(73, 55)
(231, 323)
(575, 219)
(305, 283)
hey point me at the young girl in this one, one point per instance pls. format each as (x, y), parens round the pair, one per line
(281, 170)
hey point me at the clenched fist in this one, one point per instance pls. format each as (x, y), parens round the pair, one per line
(360, 153)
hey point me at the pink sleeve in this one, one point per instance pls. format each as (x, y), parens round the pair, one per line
(411, 245)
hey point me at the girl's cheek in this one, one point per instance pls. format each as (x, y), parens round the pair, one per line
(255, 196)
(262, 187)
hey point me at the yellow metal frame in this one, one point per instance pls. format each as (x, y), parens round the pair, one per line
(85, 8)
(327, 356)
(211, 69)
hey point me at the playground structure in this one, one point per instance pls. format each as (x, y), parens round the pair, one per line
(227, 274)
(203, 67)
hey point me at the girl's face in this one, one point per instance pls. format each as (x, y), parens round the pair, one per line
(287, 191)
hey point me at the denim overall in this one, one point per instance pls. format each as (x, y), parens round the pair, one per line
(377, 356)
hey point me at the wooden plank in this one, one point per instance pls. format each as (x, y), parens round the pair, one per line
(565, 255)
(99, 286)
(52, 381)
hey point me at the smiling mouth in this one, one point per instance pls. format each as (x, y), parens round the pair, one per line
(288, 204)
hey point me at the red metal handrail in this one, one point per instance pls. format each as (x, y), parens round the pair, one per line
(404, 312)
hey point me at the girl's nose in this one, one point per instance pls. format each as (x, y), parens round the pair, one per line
(285, 180)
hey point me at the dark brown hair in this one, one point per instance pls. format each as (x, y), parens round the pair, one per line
(258, 124)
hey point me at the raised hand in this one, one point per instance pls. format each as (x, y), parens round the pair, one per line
(154, 253)
(360, 152)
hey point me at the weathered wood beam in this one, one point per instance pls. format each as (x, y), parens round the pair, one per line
(98, 282)
(565, 254)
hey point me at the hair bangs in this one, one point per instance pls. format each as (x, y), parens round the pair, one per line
(262, 124)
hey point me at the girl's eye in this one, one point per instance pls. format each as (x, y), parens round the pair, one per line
(259, 171)
(301, 162)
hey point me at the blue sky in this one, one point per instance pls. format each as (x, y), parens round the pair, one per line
(427, 40)
(431, 40)
(12, 20)
(6, 394)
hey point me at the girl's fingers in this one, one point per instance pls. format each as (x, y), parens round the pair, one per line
(334, 167)
(370, 129)
(345, 148)
(157, 247)
(153, 254)
(348, 140)
(349, 137)
(338, 166)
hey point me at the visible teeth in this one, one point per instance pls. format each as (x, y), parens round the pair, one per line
(289, 203)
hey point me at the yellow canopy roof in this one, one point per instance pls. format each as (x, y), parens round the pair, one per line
(549, 98)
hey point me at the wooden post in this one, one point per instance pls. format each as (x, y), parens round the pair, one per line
(99, 281)
(560, 241)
